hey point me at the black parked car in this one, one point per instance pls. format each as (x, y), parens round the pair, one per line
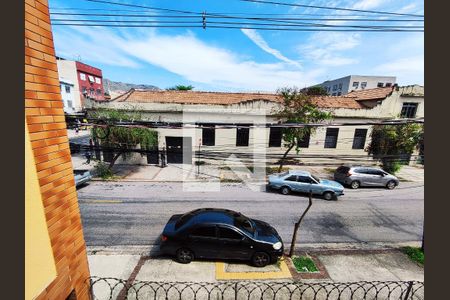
(220, 234)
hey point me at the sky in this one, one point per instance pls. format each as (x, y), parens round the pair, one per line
(214, 59)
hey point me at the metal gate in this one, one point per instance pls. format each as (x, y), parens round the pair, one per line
(179, 150)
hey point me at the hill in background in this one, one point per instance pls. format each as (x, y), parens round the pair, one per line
(117, 88)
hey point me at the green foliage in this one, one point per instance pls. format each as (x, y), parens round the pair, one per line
(181, 88)
(122, 138)
(103, 171)
(415, 253)
(316, 91)
(298, 107)
(304, 264)
(391, 143)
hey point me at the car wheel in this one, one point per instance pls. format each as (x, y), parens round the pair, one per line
(260, 259)
(355, 184)
(185, 256)
(391, 184)
(285, 190)
(328, 195)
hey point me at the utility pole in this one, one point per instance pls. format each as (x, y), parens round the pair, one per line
(297, 225)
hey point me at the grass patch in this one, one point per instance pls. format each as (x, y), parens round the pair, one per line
(273, 170)
(304, 264)
(329, 170)
(230, 180)
(415, 254)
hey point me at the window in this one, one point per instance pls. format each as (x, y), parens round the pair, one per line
(82, 76)
(206, 231)
(98, 80)
(334, 94)
(67, 88)
(275, 137)
(304, 179)
(359, 139)
(331, 137)
(304, 141)
(409, 110)
(69, 103)
(84, 90)
(340, 86)
(363, 85)
(355, 84)
(99, 91)
(380, 84)
(208, 136)
(334, 87)
(227, 233)
(91, 78)
(242, 135)
(388, 84)
(291, 178)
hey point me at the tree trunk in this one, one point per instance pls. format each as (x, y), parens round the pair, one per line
(297, 226)
(113, 161)
(284, 157)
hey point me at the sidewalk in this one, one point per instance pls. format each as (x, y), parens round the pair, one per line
(334, 265)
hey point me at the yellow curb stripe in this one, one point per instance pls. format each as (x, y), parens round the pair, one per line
(221, 274)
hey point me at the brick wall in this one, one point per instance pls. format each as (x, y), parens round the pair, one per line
(46, 124)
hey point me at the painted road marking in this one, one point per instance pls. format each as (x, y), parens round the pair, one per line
(221, 274)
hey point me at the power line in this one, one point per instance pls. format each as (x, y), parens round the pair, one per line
(331, 8)
(288, 25)
(237, 18)
(236, 27)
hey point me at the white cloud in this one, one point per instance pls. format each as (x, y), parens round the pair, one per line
(184, 55)
(261, 43)
(368, 4)
(324, 48)
(91, 45)
(409, 70)
(197, 61)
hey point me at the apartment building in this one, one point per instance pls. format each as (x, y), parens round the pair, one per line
(344, 85)
(87, 81)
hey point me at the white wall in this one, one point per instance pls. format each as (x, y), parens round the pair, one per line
(67, 97)
(67, 69)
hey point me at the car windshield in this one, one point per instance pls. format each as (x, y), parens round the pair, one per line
(244, 223)
(315, 178)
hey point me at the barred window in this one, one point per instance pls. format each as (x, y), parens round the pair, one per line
(409, 110)
(304, 141)
(242, 135)
(209, 136)
(331, 137)
(275, 137)
(359, 139)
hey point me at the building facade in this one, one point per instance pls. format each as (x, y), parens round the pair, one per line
(87, 80)
(344, 85)
(67, 94)
(239, 123)
(56, 265)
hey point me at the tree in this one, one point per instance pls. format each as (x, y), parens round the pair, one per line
(316, 91)
(181, 88)
(391, 144)
(119, 140)
(297, 107)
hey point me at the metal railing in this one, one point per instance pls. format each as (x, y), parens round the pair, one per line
(113, 288)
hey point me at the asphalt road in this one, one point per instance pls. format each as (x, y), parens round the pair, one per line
(134, 213)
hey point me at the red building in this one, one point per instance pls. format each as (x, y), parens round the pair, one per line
(90, 81)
